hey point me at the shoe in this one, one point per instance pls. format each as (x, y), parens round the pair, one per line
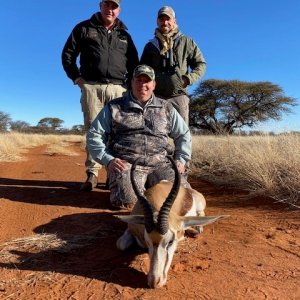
(90, 183)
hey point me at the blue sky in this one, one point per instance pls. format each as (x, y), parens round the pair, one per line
(250, 40)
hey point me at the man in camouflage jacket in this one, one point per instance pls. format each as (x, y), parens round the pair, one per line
(138, 125)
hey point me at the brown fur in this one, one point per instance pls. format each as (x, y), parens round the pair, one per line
(161, 190)
(157, 195)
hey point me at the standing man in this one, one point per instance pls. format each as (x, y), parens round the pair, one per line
(107, 59)
(139, 125)
(176, 59)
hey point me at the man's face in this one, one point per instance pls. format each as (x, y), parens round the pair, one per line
(142, 87)
(165, 23)
(109, 12)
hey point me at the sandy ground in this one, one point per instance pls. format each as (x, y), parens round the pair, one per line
(59, 243)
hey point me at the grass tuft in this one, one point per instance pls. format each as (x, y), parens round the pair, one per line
(268, 165)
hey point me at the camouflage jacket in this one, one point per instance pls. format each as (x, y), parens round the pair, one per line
(126, 130)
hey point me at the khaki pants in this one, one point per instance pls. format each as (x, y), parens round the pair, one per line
(181, 104)
(93, 98)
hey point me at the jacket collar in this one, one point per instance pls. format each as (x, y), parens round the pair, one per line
(155, 40)
(96, 20)
(132, 103)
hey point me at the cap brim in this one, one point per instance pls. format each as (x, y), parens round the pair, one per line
(145, 75)
(166, 14)
(111, 1)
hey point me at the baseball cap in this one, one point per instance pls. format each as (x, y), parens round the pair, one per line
(144, 70)
(166, 10)
(114, 1)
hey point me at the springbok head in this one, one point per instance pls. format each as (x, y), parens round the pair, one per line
(154, 222)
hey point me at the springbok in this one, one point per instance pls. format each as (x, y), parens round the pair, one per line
(158, 222)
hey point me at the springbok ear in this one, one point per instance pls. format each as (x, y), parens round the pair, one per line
(132, 219)
(201, 221)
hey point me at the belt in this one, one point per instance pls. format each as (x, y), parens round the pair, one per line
(112, 81)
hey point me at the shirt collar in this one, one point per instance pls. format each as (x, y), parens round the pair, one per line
(139, 102)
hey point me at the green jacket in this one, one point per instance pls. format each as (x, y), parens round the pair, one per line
(185, 59)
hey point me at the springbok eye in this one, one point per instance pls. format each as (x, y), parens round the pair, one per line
(170, 244)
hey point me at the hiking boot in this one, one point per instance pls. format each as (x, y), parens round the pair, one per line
(90, 183)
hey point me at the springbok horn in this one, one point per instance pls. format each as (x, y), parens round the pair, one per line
(148, 211)
(163, 216)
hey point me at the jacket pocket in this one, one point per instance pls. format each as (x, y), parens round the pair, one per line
(168, 84)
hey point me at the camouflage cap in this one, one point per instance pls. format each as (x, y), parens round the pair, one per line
(114, 1)
(144, 70)
(168, 11)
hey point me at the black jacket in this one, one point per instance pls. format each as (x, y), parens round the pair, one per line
(104, 56)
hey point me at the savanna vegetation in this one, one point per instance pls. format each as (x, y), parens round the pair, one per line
(224, 106)
(14, 145)
(220, 109)
(217, 107)
(47, 125)
(262, 164)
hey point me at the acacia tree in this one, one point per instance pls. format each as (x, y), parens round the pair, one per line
(19, 126)
(4, 121)
(220, 106)
(79, 129)
(50, 124)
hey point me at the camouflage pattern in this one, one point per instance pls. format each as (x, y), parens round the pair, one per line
(144, 70)
(121, 191)
(140, 132)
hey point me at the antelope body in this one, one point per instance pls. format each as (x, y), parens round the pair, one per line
(158, 222)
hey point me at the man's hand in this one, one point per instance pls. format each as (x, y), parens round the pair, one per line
(180, 166)
(116, 165)
(185, 81)
(80, 82)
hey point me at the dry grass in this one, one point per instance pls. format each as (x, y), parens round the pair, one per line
(33, 250)
(269, 165)
(60, 149)
(13, 145)
(21, 282)
(41, 243)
